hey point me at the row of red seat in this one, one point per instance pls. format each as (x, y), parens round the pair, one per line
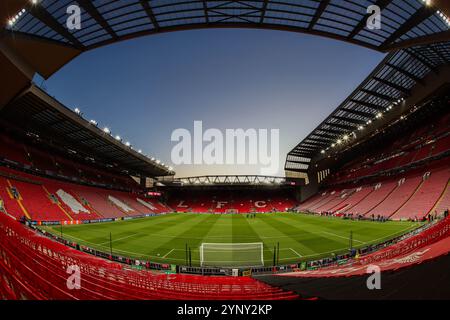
(221, 201)
(411, 196)
(29, 154)
(42, 199)
(425, 142)
(35, 267)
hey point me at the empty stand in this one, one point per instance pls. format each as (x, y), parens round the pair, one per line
(425, 198)
(404, 190)
(239, 201)
(379, 193)
(11, 205)
(339, 198)
(35, 274)
(44, 199)
(443, 202)
(354, 199)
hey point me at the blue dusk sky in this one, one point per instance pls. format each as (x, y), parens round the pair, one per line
(145, 88)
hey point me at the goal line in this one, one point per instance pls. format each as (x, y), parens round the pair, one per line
(232, 254)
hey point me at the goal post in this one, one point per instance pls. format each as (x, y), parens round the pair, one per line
(232, 254)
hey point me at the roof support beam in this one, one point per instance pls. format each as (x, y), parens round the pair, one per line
(342, 126)
(296, 163)
(301, 162)
(320, 10)
(324, 136)
(418, 17)
(406, 73)
(43, 15)
(378, 95)
(421, 60)
(150, 13)
(358, 113)
(392, 85)
(363, 22)
(332, 131)
(316, 141)
(443, 36)
(205, 10)
(349, 120)
(443, 59)
(297, 154)
(263, 11)
(93, 12)
(308, 145)
(368, 105)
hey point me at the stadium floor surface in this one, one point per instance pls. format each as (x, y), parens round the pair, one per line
(164, 238)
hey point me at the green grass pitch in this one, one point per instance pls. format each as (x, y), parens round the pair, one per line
(163, 238)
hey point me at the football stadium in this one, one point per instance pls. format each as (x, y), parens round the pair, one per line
(363, 198)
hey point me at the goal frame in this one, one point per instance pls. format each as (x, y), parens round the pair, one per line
(260, 244)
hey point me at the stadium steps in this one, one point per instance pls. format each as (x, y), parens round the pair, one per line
(99, 202)
(396, 198)
(441, 145)
(86, 203)
(133, 203)
(123, 212)
(342, 196)
(397, 214)
(130, 203)
(9, 202)
(331, 196)
(54, 189)
(425, 198)
(37, 202)
(374, 198)
(309, 202)
(24, 210)
(444, 201)
(355, 199)
(58, 204)
(314, 202)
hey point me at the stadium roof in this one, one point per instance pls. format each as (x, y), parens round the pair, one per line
(383, 90)
(40, 114)
(221, 180)
(414, 33)
(405, 22)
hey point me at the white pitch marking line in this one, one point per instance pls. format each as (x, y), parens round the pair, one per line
(336, 235)
(168, 253)
(296, 252)
(106, 242)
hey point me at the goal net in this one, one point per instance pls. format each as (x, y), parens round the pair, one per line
(232, 254)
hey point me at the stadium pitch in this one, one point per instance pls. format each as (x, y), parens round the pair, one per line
(165, 238)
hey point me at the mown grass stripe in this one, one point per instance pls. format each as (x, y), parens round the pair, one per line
(168, 234)
(199, 229)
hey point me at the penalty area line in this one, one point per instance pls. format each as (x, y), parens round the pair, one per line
(342, 237)
(298, 254)
(168, 253)
(114, 240)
